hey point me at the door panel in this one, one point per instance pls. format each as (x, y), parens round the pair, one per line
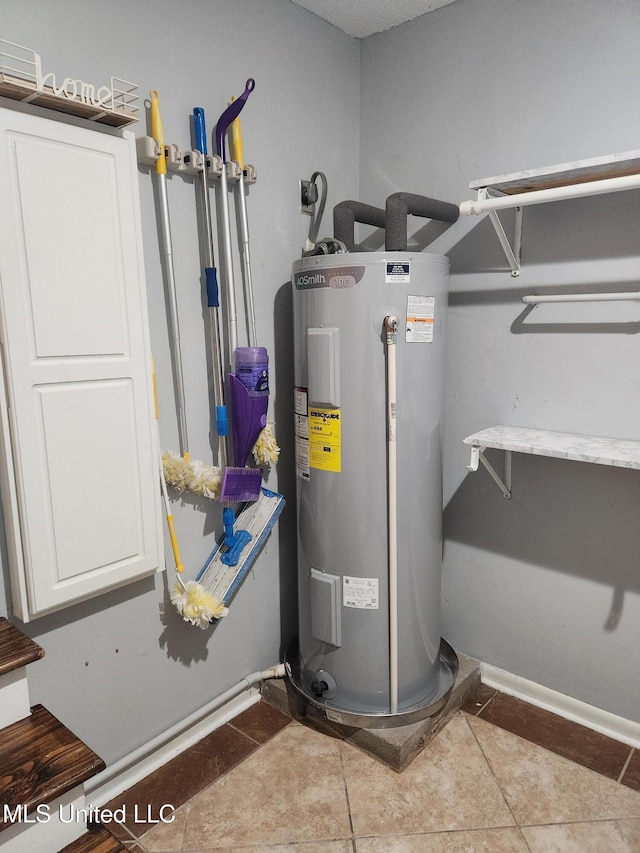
(80, 479)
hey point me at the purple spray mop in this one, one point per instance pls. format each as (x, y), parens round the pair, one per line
(237, 484)
(249, 387)
(249, 392)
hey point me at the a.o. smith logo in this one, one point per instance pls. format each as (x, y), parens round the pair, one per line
(337, 279)
(304, 281)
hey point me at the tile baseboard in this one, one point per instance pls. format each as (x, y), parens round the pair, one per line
(104, 787)
(618, 728)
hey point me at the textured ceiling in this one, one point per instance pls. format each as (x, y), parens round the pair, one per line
(362, 18)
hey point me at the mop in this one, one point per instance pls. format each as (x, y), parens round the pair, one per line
(195, 604)
(179, 471)
(265, 447)
(243, 537)
(239, 483)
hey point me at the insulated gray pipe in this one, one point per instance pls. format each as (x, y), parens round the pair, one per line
(347, 213)
(399, 205)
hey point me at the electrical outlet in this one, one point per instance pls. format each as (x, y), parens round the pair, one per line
(308, 196)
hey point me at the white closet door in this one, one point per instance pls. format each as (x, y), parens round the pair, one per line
(81, 484)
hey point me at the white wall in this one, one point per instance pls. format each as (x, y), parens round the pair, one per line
(123, 667)
(545, 585)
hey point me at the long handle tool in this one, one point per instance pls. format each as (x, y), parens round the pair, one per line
(251, 428)
(212, 291)
(228, 565)
(238, 484)
(194, 603)
(249, 408)
(243, 219)
(165, 225)
(179, 471)
(232, 111)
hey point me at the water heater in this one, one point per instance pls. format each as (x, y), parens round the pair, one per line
(369, 332)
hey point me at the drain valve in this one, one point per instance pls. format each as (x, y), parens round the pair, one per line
(323, 685)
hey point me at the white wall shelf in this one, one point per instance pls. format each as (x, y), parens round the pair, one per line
(621, 453)
(595, 176)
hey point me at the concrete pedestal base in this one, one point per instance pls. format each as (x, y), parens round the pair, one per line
(395, 747)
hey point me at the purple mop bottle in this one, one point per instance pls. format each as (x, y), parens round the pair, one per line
(249, 391)
(252, 369)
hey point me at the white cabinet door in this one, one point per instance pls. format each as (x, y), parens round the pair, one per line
(80, 478)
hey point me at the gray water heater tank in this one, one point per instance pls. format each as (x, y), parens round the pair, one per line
(342, 664)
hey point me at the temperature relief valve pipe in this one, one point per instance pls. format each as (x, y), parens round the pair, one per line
(391, 329)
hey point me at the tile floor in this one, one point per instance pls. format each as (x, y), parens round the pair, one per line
(501, 776)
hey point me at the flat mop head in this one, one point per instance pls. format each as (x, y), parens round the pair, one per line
(257, 519)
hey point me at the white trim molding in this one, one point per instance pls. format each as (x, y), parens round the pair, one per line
(108, 785)
(619, 728)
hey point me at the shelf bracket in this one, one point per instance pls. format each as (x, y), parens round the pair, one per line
(477, 456)
(512, 254)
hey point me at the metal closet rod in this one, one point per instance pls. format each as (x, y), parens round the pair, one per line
(627, 296)
(505, 202)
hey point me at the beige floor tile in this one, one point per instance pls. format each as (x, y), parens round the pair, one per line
(544, 788)
(507, 840)
(310, 847)
(448, 786)
(590, 837)
(630, 831)
(303, 847)
(167, 837)
(290, 790)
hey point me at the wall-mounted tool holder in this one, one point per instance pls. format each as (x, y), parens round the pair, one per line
(191, 162)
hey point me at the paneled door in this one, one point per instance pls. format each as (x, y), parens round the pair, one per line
(80, 487)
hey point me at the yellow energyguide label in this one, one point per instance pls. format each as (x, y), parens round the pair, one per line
(324, 439)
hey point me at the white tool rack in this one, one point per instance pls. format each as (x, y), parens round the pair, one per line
(191, 162)
(598, 175)
(620, 453)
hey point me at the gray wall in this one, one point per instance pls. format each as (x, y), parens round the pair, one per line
(545, 585)
(123, 667)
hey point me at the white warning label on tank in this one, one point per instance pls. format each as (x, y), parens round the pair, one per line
(302, 458)
(360, 592)
(301, 432)
(420, 319)
(300, 400)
